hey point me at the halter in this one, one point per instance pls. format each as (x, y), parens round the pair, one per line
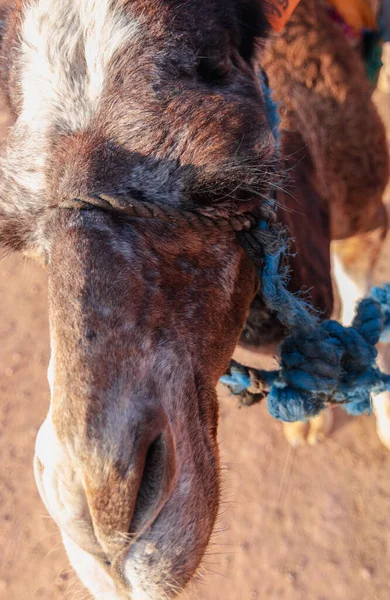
(321, 362)
(258, 232)
(197, 218)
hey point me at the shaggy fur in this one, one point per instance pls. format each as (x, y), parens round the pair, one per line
(336, 153)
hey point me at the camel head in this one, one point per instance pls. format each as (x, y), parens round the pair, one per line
(153, 103)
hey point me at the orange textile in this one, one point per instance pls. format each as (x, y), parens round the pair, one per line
(359, 14)
(278, 12)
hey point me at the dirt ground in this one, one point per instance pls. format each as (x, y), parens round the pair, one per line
(308, 524)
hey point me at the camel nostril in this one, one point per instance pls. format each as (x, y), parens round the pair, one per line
(125, 496)
(156, 483)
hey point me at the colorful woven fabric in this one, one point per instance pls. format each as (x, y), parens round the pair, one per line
(358, 14)
(363, 23)
(278, 12)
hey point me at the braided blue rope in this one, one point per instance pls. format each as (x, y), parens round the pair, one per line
(321, 362)
(328, 363)
(291, 310)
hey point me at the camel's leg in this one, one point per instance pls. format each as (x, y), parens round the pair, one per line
(384, 77)
(320, 426)
(312, 432)
(381, 402)
(295, 433)
(353, 261)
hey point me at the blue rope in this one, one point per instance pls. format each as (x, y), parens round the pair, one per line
(291, 310)
(321, 362)
(271, 107)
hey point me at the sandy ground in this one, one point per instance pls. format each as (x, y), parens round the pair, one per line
(309, 524)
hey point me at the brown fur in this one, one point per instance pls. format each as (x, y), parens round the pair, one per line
(326, 96)
(324, 93)
(144, 316)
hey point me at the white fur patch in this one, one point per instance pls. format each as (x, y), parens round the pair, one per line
(93, 576)
(381, 404)
(67, 49)
(349, 290)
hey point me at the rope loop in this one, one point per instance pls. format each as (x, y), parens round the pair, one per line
(321, 363)
(199, 218)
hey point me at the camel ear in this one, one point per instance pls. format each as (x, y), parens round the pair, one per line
(16, 228)
(20, 215)
(10, 234)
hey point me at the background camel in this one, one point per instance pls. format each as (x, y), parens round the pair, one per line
(333, 203)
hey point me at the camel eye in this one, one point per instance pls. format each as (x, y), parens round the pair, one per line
(213, 72)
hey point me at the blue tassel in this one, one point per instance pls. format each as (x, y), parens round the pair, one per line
(321, 362)
(237, 380)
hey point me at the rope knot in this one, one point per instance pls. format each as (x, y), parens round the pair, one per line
(327, 363)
